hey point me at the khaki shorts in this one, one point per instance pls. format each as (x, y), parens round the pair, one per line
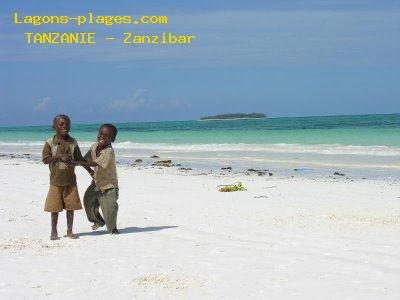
(62, 197)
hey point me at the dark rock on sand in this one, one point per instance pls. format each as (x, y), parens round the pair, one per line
(185, 169)
(226, 168)
(258, 172)
(162, 163)
(154, 156)
(136, 163)
(338, 174)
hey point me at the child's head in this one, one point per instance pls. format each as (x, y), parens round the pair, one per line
(61, 124)
(107, 134)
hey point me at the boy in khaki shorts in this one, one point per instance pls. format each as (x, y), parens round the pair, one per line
(61, 153)
(103, 191)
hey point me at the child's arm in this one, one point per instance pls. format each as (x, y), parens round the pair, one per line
(86, 165)
(87, 161)
(84, 161)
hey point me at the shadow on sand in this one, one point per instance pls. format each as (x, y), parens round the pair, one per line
(127, 230)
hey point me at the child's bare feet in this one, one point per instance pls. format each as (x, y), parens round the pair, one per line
(71, 235)
(54, 233)
(70, 222)
(54, 236)
(95, 226)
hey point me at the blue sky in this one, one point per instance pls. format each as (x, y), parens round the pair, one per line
(283, 58)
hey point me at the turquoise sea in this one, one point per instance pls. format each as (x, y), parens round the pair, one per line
(356, 142)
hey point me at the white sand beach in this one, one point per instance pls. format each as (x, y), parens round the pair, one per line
(285, 237)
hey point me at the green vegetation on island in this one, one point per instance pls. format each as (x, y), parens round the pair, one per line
(235, 116)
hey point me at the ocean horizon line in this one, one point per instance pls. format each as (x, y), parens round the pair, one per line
(193, 120)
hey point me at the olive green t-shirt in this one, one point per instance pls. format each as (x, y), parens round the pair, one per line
(60, 173)
(105, 173)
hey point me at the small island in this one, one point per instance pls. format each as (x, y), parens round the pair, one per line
(234, 116)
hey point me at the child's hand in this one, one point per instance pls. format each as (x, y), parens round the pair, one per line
(67, 159)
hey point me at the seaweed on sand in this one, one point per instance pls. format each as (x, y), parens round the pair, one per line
(238, 186)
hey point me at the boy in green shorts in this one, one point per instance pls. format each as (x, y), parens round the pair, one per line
(61, 152)
(103, 191)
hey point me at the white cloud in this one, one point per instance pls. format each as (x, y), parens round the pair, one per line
(139, 100)
(45, 102)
